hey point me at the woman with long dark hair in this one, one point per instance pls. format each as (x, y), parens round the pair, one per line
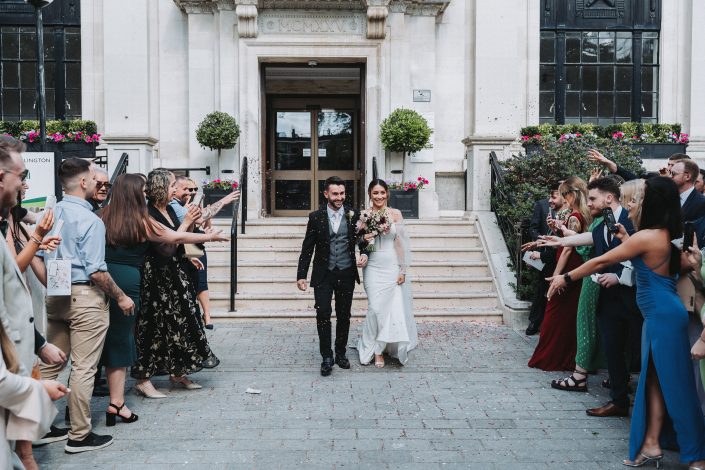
(666, 383)
(389, 325)
(171, 337)
(128, 232)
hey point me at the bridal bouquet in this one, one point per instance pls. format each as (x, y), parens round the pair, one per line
(374, 222)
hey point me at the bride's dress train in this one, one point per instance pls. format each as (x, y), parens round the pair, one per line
(389, 325)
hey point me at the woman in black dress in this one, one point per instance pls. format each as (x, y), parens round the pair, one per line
(170, 335)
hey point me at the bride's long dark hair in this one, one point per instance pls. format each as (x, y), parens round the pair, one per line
(377, 182)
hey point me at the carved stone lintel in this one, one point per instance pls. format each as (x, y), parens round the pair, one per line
(225, 5)
(376, 21)
(419, 7)
(246, 20)
(195, 6)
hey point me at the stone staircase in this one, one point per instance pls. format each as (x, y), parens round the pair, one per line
(450, 274)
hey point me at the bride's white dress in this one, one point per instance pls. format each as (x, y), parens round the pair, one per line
(389, 325)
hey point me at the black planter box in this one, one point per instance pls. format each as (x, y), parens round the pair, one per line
(68, 149)
(532, 149)
(211, 196)
(406, 201)
(658, 151)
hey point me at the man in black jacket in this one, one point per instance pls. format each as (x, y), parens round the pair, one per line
(537, 227)
(331, 234)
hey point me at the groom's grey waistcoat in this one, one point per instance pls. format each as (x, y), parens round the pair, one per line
(339, 255)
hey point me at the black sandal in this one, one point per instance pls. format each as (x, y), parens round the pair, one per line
(110, 417)
(579, 385)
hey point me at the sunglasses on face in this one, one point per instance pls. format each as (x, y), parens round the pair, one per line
(192, 190)
(100, 185)
(22, 175)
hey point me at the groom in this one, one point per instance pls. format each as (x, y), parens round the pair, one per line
(331, 233)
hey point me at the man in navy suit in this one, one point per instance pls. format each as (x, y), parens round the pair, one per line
(684, 173)
(617, 311)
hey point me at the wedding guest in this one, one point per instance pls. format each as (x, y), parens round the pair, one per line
(697, 263)
(128, 233)
(684, 173)
(170, 335)
(557, 343)
(102, 188)
(666, 401)
(700, 183)
(78, 323)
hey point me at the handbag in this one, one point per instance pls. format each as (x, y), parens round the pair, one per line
(193, 251)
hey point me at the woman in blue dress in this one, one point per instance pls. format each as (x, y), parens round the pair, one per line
(666, 384)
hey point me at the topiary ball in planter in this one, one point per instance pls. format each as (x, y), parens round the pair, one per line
(405, 130)
(218, 131)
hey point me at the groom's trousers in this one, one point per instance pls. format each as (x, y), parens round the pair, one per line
(342, 284)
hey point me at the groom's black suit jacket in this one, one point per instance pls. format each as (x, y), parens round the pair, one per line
(318, 238)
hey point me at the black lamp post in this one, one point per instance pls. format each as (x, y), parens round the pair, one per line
(41, 91)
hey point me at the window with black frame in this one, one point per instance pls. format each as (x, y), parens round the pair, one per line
(18, 72)
(600, 75)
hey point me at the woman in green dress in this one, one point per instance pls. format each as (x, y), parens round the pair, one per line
(129, 231)
(589, 355)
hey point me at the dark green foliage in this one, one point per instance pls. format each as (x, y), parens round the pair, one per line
(218, 131)
(405, 130)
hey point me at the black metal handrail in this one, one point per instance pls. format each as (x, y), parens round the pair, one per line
(513, 231)
(233, 232)
(374, 168)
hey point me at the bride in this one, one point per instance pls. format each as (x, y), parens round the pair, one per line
(389, 325)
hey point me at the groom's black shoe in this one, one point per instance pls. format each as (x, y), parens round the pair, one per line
(326, 366)
(342, 362)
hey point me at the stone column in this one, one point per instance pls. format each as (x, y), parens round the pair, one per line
(697, 77)
(226, 66)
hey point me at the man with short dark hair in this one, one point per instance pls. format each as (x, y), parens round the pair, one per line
(617, 311)
(78, 323)
(331, 234)
(700, 182)
(684, 173)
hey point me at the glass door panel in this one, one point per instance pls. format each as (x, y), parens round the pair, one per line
(335, 141)
(293, 141)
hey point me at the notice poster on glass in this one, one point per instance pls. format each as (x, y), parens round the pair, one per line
(40, 179)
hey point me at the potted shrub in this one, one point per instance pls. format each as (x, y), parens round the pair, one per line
(218, 131)
(405, 131)
(405, 196)
(214, 190)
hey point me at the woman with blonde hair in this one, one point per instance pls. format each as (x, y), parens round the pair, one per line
(632, 197)
(557, 344)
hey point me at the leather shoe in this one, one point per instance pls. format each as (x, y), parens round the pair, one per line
(532, 329)
(342, 362)
(608, 409)
(326, 366)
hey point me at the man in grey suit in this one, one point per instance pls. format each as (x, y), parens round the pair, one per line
(16, 313)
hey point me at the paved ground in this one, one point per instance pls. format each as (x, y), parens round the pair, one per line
(465, 400)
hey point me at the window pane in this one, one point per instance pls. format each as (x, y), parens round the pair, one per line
(73, 102)
(572, 105)
(548, 47)
(649, 79)
(10, 45)
(624, 104)
(572, 48)
(29, 110)
(590, 46)
(548, 78)
(73, 75)
(28, 46)
(10, 75)
(649, 54)
(605, 105)
(546, 106)
(572, 77)
(73, 46)
(624, 48)
(51, 112)
(624, 79)
(10, 102)
(606, 78)
(589, 105)
(590, 78)
(606, 47)
(649, 105)
(48, 43)
(49, 75)
(28, 74)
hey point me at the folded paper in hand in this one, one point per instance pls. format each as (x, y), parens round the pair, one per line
(534, 263)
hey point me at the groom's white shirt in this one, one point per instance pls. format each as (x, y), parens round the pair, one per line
(335, 217)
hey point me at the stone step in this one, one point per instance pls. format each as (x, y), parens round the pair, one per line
(277, 268)
(298, 226)
(221, 253)
(474, 313)
(286, 240)
(254, 285)
(301, 301)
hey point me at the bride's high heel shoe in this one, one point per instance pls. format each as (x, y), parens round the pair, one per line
(379, 361)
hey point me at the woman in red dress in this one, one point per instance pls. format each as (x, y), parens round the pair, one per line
(557, 343)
